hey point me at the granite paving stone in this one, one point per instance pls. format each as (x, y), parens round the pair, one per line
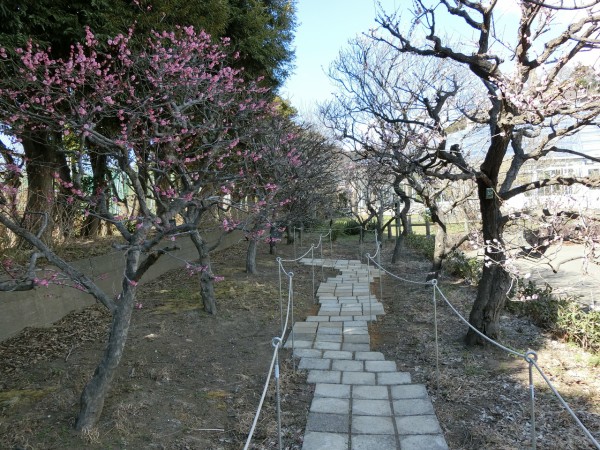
(370, 392)
(380, 366)
(315, 363)
(332, 390)
(375, 442)
(332, 423)
(409, 391)
(330, 405)
(358, 378)
(315, 440)
(371, 407)
(372, 425)
(348, 365)
(413, 406)
(387, 378)
(361, 401)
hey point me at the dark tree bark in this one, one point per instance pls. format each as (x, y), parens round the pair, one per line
(441, 243)
(92, 224)
(207, 289)
(493, 286)
(403, 215)
(94, 392)
(41, 164)
(251, 257)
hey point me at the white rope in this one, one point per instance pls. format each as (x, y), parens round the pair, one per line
(526, 356)
(490, 340)
(262, 399)
(277, 344)
(565, 405)
(300, 257)
(425, 283)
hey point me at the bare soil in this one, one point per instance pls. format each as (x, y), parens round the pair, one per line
(193, 381)
(481, 396)
(187, 380)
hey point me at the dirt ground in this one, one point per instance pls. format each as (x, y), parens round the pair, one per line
(186, 381)
(192, 381)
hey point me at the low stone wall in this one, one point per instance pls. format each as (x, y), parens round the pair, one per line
(45, 305)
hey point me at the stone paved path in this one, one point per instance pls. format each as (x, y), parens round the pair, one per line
(361, 401)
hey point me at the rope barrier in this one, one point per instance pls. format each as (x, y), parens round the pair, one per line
(278, 341)
(530, 357)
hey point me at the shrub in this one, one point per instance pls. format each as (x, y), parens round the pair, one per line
(422, 244)
(563, 317)
(351, 227)
(459, 265)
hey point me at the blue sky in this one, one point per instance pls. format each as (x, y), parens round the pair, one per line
(324, 27)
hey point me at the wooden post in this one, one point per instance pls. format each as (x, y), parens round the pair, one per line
(427, 228)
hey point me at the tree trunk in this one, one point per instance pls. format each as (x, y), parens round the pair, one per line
(494, 283)
(92, 224)
(397, 248)
(94, 392)
(207, 289)
(40, 182)
(289, 235)
(251, 257)
(403, 215)
(441, 243)
(439, 252)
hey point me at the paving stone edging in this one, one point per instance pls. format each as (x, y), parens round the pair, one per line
(361, 401)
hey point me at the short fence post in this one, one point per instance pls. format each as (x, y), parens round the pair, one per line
(530, 357)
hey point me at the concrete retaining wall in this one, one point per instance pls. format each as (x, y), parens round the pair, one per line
(45, 305)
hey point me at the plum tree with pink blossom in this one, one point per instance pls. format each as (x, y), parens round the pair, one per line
(170, 120)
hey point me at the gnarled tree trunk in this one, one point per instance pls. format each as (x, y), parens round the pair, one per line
(403, 214)
(94, 392)
(494, 282)
(251, 257)
(207, 289)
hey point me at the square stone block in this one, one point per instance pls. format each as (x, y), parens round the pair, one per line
(358, 378)
(387, 378)
(420, 442)
(332, 390)
(337, 354)
(329, 338)
(353, 347)
(308, 353)
(375, 442)
(317, 319)
(427, 424)
(297, 344)
(322, 345)
(372, 425)
(370, 392)
(369, 356)
(413, 406)
(330, 405)
(357, 338)
(332, 423)
(350, 330)
(324, 376)
(328, 330)
(314, 363)
(380, 366)
(371, 407)
(409, 391)
(347, 365)
(338, 318)
(316, 440)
